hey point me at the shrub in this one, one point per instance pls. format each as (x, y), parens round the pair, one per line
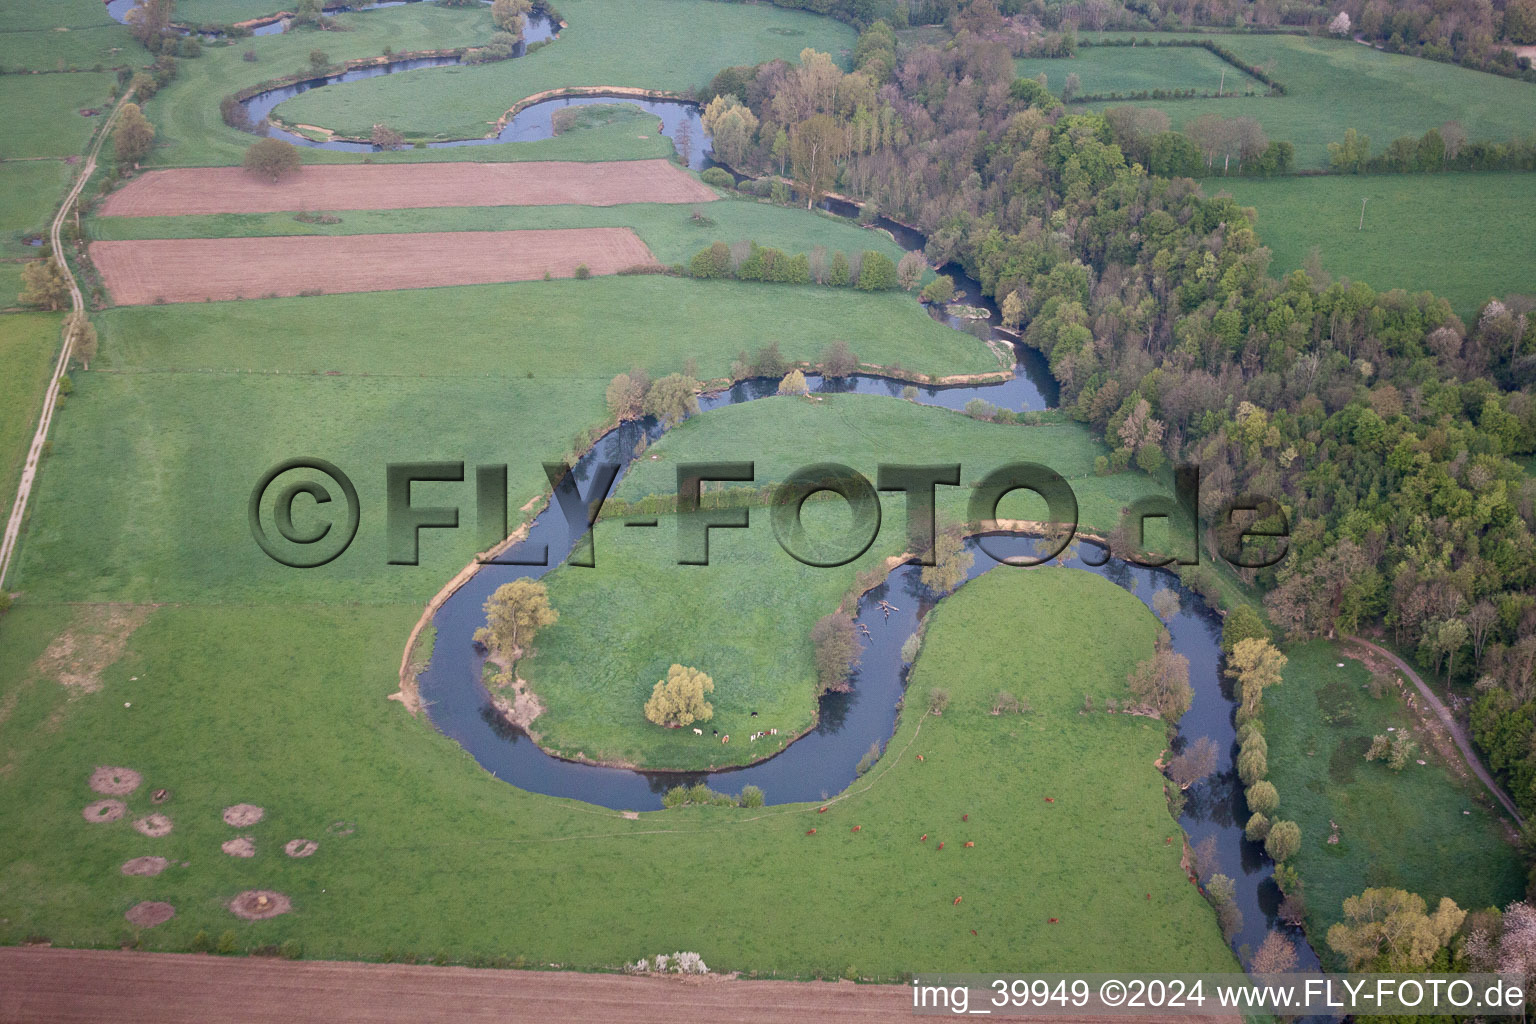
(938, 700)
(870, 757)
(751, 796)
(1263, 798)
(939, 291)
(272, 158)
(838, 360)
(877, 273)
(1257, 827)
(583, 272)
(1252, 765)
(1005, 703)
(719, 177)
(291, 949)
(909, 393)
(1283, 841)
(227, 944)
(201, 943)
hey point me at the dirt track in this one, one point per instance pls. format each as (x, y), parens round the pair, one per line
(406, 186)
(68, 986)
(194, 269)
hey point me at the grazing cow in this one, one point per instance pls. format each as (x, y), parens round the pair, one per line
(1054, 921)
(968, 845)
(773, 732)
(957, 901)
(965, 817)
(811, 832)
(725, 739)
(754, 714)
(1050, 799)
(1149, 895)
(973, 931)
(941, 844)
(924, 838)
(1168, 841)
(857, 827)
(919, 757)
(698, 732)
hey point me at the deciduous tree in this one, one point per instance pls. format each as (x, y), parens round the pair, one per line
(514, 614)
(679, 699)
(273, 158)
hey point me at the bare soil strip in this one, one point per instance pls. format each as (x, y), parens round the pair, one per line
(200, 190)
(196, 269)
(76, 986)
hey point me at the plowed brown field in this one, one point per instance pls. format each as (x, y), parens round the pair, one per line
(406, 186)
(195, 269)
(77, 986)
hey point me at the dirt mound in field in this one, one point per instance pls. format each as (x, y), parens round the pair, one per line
(243, 815)
(97, 636)
(149, 913)
(104, 810)
(154, 825)
(198, 269)
(203, 190)
(259, 904)
(145, 866)
(301, 847)
(115, 781)
(241, 846)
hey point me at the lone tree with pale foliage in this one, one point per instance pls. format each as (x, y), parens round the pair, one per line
(1196, 762)
(1256, 664)
(273, 158)
(951, 563)
(1162, 682)
(386, 137)
(672, 399)
(1165, 604)
(793, 384)
(1276, 955)
(835, 640)
(80, 335)
(910, 270)
(514, 614)
(43, 284)
(678, 700)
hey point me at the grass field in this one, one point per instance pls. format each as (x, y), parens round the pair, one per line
(672, 232)
(29, 192)
(1416, 233)
(654, 44)
(1332, 85)
(505, 373)
(1407, 829)
(746, 619)
(51, 124)
(28, 344)
(283, 705)
(1114, 69)
(27, 17)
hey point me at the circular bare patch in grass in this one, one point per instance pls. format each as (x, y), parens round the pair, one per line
(145, 866)
(115, 781)
(154, 825)
(341, 828)
(243, 846)
(301, 847)
(105, 810)
(259, 904)
(243, 815)
(148, 914)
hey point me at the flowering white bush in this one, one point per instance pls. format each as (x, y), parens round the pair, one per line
(1339, 26)
(677, 963)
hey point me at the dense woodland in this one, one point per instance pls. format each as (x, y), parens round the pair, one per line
(1390, 428)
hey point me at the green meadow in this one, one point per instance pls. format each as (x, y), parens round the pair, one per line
(1333, 85)
(652, 44)
(1116, 69)
(746, 619)
(282, 704)
(1423, 829)
(44, 112)
(1415, 235)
